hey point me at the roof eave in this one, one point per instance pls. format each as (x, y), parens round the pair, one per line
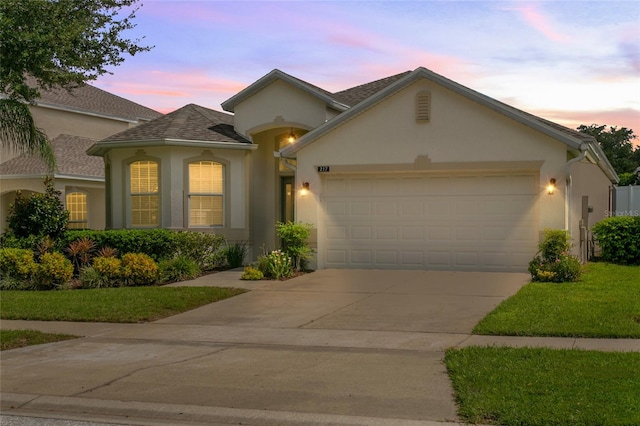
(101, 148)
(595, 151)
(55, 175)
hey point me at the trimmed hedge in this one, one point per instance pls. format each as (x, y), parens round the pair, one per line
(619, 239)
(157, 243)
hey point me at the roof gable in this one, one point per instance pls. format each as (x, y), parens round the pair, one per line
(323, 95)
(570, 137)
(573, 139)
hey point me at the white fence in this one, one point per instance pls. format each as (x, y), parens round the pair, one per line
(626, 200)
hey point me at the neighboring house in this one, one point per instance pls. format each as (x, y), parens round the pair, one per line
(73, 121)
(411, 171)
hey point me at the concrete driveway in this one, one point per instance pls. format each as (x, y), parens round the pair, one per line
(331, 347)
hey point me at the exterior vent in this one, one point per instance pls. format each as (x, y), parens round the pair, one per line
(423, 107)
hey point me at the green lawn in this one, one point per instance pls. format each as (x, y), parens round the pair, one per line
(525, 386)
(528, 386)
(126, 304)
(12, 339)
(605, 303)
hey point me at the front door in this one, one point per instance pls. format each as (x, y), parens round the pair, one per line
(287, 198)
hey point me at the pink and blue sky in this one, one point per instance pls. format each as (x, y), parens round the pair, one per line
(572, 62)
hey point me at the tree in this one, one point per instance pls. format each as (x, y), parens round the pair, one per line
(55, 43)
(617, 145)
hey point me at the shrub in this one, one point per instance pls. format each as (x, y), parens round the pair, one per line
(17, 263)
(619, 239)
(251, 273)
(80, 251)
(54, 270)
(277, 264)
(38, 214)
(235, 254)
(179, 269)
(90, 278)
(107, 252)
(8, 240)
(157, 243)
(294, 238)
(553, 263)
(554, 245)
(104, 272)
(203, 248)
(139, 269)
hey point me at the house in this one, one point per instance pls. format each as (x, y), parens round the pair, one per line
(410, 171)
(73, 121)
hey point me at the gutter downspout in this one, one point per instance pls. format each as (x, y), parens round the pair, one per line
(567, 194)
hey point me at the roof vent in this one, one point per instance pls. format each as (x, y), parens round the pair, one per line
(423, 107)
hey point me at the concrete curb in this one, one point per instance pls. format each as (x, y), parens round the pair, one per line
(109, 410)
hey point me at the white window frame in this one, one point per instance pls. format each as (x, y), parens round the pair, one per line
(85, 221)
(131, 195)
(221, 194)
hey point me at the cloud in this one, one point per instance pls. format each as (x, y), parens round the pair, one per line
(166, 91)
(542, 23)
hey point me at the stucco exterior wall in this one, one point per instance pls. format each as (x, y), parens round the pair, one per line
(459, 130)
(173, 189)
(56, 122)
(587, 180)
(93, 189)
(279, 105)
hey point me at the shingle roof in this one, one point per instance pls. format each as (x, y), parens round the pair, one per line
(71, 158)
(191, 122)
(359, 93)
(90, 99)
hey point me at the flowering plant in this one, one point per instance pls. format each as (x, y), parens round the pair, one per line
(554, 263)
(277, 264)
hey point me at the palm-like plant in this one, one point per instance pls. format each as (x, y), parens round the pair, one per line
(18, 132)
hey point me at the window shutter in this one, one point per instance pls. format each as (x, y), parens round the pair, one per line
(423, 107)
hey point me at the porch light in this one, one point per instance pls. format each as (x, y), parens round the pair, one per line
(551, 188)
(304, 191)
(292, 136)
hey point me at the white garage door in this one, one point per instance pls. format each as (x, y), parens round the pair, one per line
(460, 222)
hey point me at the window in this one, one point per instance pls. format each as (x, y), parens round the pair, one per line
(77, 206)
(145, 200)
(206, 194)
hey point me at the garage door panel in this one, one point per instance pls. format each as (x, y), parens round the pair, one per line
(413, 233)
(361, 233)
(336, 207)
(467, 233)
(362, 257)
(412, 208)
(360, 208)
(439, 233)
(387, 233)
(388, 207)
(337, 233)
(442, 222)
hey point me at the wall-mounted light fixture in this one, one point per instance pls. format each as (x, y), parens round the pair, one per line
(304, 191)
(292, 136)
(551, 188)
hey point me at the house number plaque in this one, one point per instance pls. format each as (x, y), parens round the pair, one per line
(324, 169)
